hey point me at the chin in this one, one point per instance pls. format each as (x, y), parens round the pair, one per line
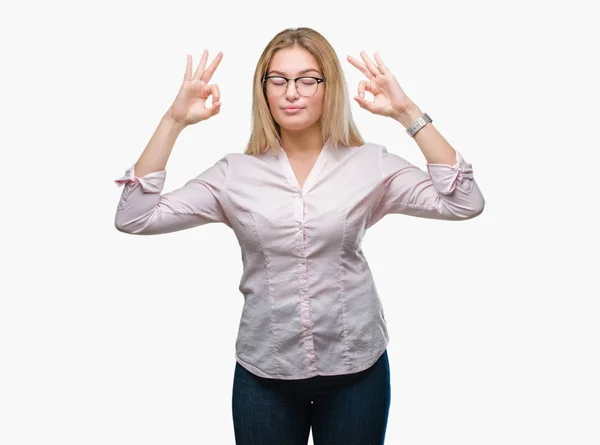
(293, 124)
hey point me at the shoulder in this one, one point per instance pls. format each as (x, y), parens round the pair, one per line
(242, 165)
(232, 159)
(369, 151)
(371, 148)
(240, 158)
(379, 151)
(378, 156)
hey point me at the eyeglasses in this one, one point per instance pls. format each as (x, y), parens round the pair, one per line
(306, 86)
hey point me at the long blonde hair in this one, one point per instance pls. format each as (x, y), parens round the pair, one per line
(337, 125)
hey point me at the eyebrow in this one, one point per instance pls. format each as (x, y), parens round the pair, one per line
(301, 72)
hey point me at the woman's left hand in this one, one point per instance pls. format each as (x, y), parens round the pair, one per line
(389, 98)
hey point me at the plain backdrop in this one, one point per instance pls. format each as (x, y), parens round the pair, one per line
(108, 338)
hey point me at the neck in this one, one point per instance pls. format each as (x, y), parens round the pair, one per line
(302, 144)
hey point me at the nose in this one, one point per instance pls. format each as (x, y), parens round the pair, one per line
(291, 91)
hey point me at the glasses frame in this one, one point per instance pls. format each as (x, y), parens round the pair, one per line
(318, 79)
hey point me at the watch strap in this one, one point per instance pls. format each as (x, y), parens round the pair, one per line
(419, 123)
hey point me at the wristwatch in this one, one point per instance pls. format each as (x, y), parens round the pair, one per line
(420, 123)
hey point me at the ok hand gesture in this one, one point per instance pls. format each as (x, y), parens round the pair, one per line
(189, 107)
(389, 98)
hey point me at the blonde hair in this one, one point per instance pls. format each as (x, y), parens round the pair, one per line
(337, 125)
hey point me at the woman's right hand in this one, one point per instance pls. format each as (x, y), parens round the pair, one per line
(189, 107)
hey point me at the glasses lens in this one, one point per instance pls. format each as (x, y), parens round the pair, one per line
(306, 86)
(276, 85)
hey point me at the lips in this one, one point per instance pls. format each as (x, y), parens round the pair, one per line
(291, 108)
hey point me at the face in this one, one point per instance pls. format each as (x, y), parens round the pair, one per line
(292, 63)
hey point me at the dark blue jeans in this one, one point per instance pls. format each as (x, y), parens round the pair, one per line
(350, 409)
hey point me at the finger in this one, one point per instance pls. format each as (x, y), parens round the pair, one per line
(215, 108)
(362, 86)
(215, 93)
(188, 68)
(384, 69)
(200, 69)
(367, 105)
(370, 65)
(360, 66)
(212, 67)
(367, 85)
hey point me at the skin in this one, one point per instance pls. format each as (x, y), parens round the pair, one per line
(300, 132)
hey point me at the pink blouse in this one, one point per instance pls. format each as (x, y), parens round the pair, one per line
(311, 306)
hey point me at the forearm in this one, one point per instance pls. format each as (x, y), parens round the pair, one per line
(433, 145)
(156, 154)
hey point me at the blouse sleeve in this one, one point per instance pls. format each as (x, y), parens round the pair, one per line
(144, 210)
(442, 192)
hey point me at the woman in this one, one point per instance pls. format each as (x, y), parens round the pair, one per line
(311, 347)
